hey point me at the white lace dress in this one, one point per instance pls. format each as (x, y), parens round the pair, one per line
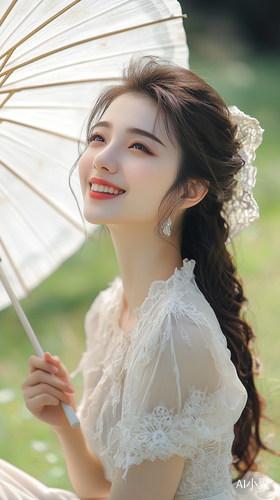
(169, 388)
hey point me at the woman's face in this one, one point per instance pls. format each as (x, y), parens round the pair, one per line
(128, 166)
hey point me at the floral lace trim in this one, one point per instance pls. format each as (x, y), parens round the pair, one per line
(179, 279)
(163, 433)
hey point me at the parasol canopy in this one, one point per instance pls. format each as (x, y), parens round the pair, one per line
(54, 59)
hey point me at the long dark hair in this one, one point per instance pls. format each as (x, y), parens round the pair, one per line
(199, 121)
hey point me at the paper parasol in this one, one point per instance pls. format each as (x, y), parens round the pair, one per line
(54, 58)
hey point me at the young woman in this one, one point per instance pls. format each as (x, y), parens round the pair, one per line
(169, 407)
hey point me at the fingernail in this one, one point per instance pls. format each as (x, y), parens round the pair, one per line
(70, 389)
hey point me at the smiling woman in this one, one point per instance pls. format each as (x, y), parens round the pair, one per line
(169, 408)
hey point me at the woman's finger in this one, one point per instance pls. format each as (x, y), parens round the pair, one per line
(50, 364)
(36, 363)
(40, 376)
(56, 362)
(36, 404)
(33, 392)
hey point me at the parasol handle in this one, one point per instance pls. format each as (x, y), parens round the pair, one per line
(68, 410)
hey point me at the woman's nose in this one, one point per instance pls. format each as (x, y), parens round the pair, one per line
(106, 160)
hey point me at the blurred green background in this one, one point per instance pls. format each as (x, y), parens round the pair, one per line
(245, 70)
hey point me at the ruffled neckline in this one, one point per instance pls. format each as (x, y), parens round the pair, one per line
(156, 288)
(159, 286)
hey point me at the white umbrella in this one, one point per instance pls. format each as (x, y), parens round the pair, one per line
(54, 58)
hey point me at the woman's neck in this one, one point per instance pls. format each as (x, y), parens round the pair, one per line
(142, 259)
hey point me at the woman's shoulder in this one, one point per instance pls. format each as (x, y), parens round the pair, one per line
(175, 311)
(178, 297)
(178, 328)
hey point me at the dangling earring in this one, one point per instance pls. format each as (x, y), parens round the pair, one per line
(166, 227)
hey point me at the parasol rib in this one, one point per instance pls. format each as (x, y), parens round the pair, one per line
(11, 50)
(32, 87)
(20, 216)
(57, 134)
(15, 269)
(8, 11)
(48, 201)
(7, 98)
(39, 28)
(91, 80)
(91, 39)
(55, 84)
(3, 65)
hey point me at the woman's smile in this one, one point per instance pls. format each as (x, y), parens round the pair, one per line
(103, 190)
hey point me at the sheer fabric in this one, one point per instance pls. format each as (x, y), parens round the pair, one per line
(168, 388)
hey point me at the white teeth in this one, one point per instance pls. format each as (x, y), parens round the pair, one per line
(100, 188)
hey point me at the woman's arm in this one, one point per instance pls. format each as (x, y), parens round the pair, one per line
(84, 468)
(46, 385)
(156, 480)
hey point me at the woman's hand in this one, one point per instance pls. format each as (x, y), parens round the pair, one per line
(48, 383)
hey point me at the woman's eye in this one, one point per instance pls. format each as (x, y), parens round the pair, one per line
(141, 147)
(96, 138)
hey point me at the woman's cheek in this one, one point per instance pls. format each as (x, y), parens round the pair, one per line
(83, 170)
(141, 173)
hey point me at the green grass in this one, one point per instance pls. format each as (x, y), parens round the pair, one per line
(56, 308)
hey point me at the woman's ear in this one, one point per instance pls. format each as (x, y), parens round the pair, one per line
(195, 193)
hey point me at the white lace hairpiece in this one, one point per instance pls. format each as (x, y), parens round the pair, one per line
(243, 209)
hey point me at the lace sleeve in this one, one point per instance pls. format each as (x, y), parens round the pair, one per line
(97, 327)
(181, 388)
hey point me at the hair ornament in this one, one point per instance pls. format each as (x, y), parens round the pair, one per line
(242, 209)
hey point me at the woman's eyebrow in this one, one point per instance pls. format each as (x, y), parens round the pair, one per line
(131, 130)
(139, 131)
(102, 124)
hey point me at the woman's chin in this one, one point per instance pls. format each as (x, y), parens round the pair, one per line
(93, 218)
